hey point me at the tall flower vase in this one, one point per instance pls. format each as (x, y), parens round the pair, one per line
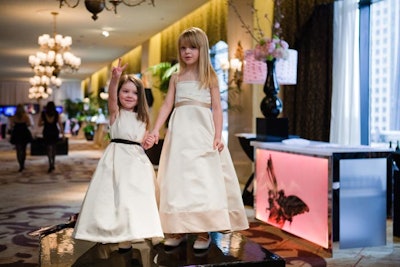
(271, 106)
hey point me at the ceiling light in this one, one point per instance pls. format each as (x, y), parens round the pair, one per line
(96, 6)
(54, 55)
(105, 33)
(40, 86)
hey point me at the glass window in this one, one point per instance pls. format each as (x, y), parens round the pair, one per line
(219, 55)
(384, 84)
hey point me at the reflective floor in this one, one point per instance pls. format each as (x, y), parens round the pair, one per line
(59, 249)
(34, 198)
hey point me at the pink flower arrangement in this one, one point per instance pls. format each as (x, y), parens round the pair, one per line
(267, 49)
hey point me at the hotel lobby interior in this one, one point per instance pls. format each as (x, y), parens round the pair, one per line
(344, 184)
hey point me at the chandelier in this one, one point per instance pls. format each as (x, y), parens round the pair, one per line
(96, 6)
(48, 63)
(40, 86)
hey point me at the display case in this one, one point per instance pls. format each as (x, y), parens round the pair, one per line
(323, 192)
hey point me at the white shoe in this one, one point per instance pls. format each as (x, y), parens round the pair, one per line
(202, 243)
(174, 240)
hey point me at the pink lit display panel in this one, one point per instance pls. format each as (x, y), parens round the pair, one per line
(293, 197)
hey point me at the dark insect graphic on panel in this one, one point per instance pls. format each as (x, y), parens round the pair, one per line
(281, 208)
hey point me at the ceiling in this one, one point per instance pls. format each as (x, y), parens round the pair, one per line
(22, 22)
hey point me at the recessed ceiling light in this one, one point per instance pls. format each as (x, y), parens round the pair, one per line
(105, 33)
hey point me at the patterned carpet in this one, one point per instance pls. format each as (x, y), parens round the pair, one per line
(33, 199)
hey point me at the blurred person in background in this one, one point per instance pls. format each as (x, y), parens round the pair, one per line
(20, 134)
(52, 127)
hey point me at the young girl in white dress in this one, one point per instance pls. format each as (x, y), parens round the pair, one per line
(120, 204)
(199, 188)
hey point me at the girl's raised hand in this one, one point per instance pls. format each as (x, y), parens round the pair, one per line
(117, 71)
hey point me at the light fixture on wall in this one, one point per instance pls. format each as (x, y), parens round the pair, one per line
(104, 95)
(54, 55)
(96, 6)
(235, 64)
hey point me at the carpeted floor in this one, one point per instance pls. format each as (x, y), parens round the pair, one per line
(33, 199)
(295, 251)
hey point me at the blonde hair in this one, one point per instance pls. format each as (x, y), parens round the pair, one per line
(197, 38)
(142, 107)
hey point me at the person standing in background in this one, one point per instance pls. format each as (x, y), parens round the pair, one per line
(52, 127)
(4, 124)
(20, 134)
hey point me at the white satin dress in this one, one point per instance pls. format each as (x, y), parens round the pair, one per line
(199, 188)
(120, 203)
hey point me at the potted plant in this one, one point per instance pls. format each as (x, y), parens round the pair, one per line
(163, 72)
(89, 131)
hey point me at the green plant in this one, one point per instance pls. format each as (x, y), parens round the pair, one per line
(89, 131)
(90, 105)
(89, 128)
(80, 109)
(73, 108)
(163, 72)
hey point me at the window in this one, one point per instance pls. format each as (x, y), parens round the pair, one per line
(384, 74)
(218, 55)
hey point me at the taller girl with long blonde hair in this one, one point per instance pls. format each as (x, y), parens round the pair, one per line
(199, 189)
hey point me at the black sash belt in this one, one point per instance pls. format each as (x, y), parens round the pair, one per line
(124, 141)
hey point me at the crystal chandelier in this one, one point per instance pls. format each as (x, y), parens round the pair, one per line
(96, 6)
(40, 87)
(48, 63)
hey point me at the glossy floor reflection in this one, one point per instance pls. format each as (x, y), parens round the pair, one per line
(33, 199)
(59, 249)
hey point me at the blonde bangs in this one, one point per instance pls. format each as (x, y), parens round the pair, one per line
(189, 38)
(195, 37)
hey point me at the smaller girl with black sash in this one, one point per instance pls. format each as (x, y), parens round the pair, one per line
(120, 205)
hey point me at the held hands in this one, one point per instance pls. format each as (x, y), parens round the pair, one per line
(148, 142)
(118, 70)
(156, 136)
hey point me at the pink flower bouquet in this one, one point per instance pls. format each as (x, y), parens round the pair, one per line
(268, 49)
